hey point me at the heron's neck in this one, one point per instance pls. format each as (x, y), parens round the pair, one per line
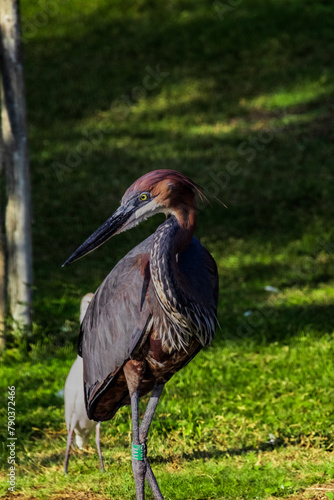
(169, 240)
(183, 315)
(184, 222)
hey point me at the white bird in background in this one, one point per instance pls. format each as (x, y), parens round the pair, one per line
(75, 407)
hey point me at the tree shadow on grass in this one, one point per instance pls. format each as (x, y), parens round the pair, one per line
(282, 324)
(218, 69)
(214, 453)
(104, 55)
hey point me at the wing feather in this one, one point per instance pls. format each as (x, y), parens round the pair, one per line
(117, 317)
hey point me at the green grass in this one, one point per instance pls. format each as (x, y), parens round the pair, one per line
(243, 105)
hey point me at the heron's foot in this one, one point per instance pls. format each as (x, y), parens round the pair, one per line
(153, 482)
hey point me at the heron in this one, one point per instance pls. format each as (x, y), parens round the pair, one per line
(76, 418)
(153, 313)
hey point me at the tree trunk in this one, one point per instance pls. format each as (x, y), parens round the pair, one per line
(2, 252)
(2, 293)
(14, 132)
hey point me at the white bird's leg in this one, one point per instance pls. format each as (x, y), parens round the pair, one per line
(98, 445)
(68, 446)
(143, 432)
(138, 464)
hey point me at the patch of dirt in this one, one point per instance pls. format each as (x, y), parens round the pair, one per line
(63, 496)
(315, 492)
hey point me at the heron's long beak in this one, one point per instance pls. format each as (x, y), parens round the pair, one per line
(114, 225)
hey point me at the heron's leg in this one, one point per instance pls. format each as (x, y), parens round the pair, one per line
(143, 432)
(68, 446)
(153, 482)
(98, 445)
(138, 466)
(149, 413)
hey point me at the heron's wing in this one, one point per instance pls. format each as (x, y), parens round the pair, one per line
(116, 319)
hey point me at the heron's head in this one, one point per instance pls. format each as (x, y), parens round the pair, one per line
(160, 191)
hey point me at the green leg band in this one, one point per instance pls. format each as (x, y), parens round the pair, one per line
(138, 451)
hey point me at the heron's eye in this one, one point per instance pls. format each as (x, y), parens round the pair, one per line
(143, 197)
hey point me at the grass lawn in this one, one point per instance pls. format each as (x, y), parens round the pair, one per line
(239, 96)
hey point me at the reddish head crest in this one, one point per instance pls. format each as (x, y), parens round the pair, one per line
(164, 182)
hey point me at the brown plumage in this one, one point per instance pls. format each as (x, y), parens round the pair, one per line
(154, 311)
